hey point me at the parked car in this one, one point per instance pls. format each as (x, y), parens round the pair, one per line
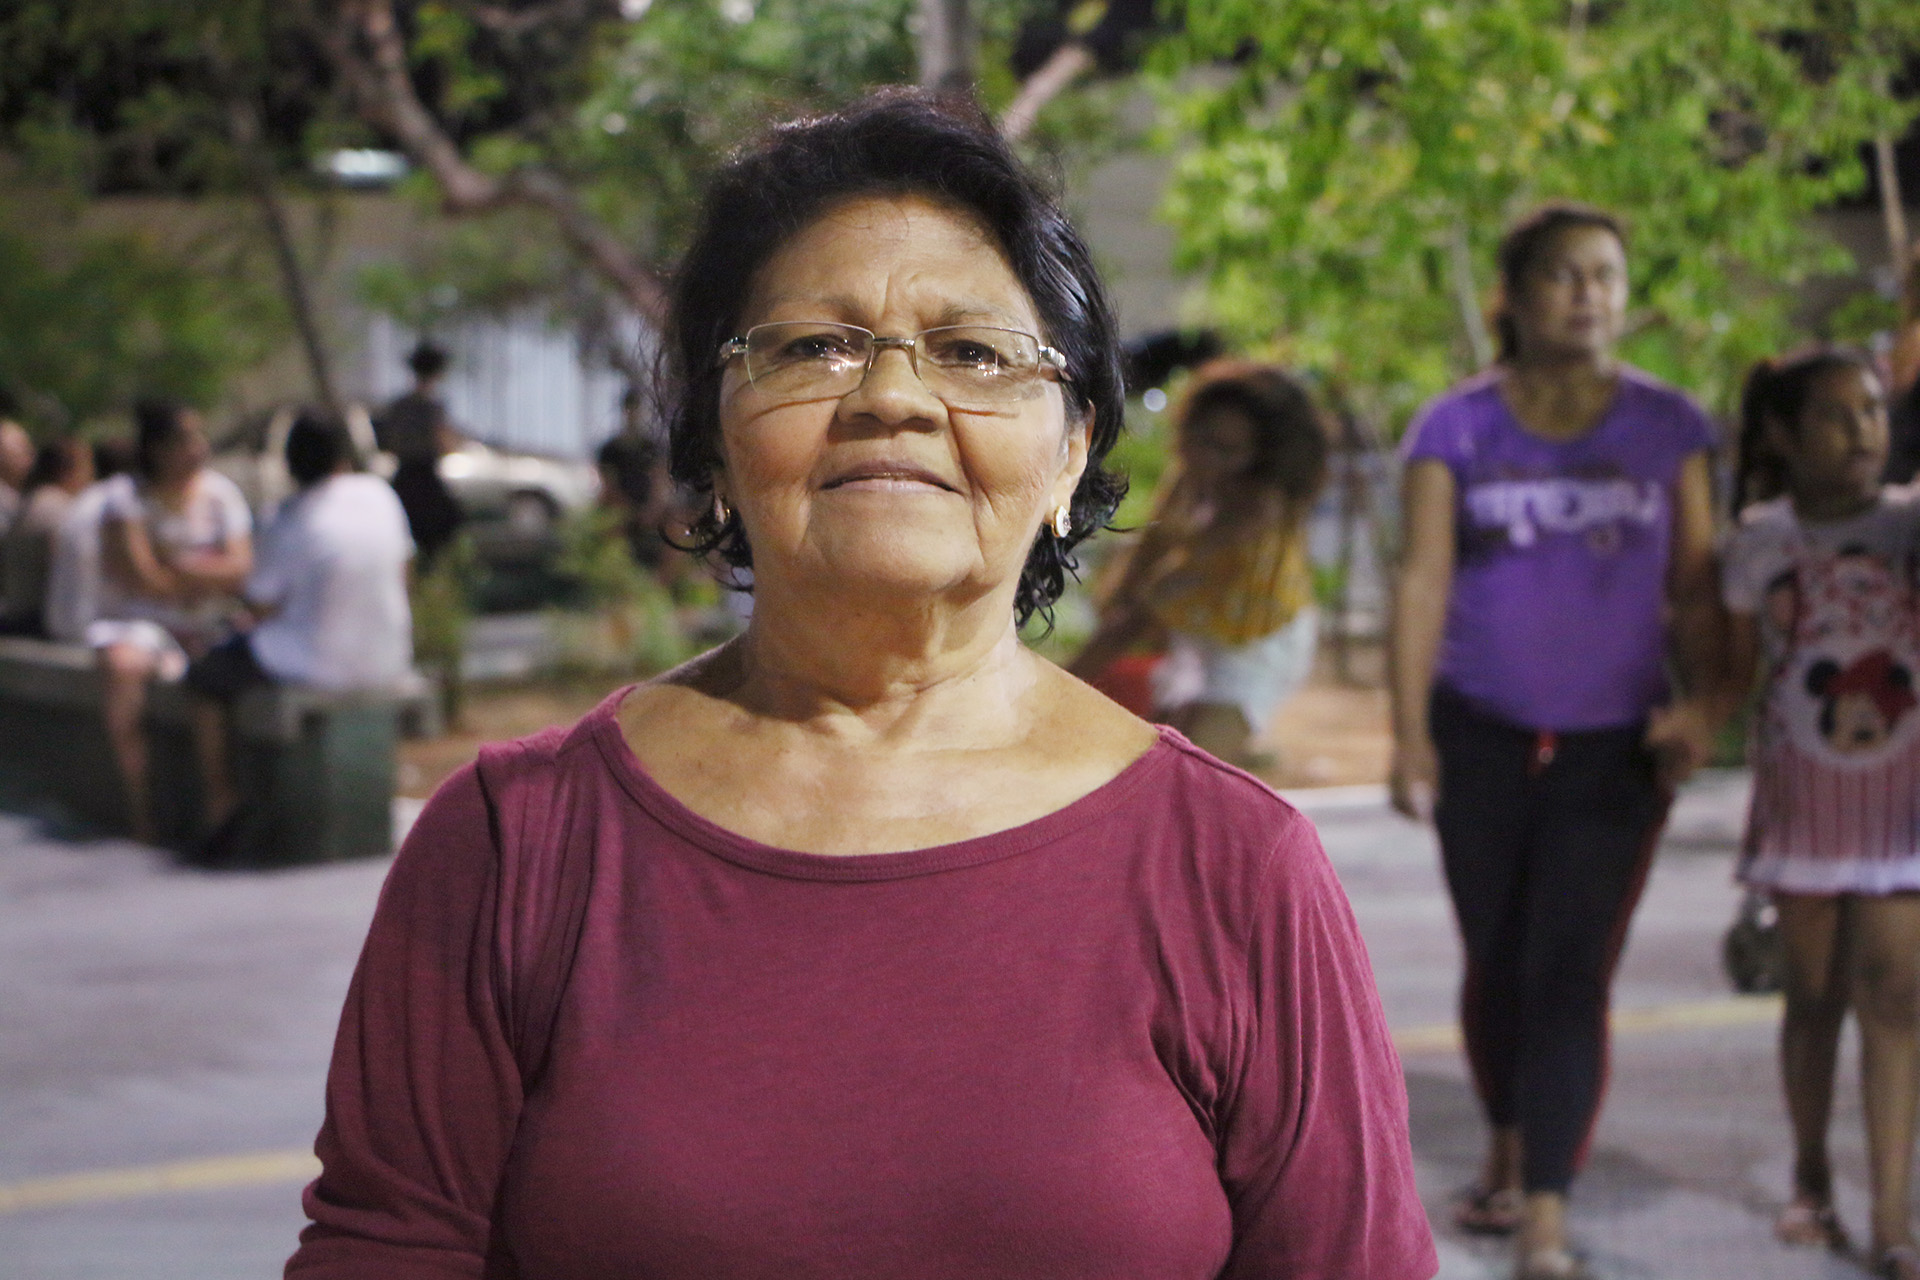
(513, 501)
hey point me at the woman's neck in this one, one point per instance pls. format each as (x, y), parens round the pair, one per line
(867, 673)
(1560, 398)
(171, 489)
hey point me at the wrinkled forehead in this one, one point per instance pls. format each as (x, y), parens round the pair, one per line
(870, 251)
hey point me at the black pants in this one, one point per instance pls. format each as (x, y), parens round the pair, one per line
(433, 513)
(1546, 841)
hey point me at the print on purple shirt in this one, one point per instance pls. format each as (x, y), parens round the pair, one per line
(1556, 618)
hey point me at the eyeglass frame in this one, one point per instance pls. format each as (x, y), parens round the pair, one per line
(1049, 357)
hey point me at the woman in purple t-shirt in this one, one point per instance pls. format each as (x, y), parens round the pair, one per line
(1558, 526)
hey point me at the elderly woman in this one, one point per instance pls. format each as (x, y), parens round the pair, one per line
(870, 944)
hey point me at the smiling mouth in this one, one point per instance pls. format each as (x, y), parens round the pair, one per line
(889, 477)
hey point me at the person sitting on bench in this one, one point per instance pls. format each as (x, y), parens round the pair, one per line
(329, 586)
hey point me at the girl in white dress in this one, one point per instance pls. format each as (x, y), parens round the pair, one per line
(1820, 579)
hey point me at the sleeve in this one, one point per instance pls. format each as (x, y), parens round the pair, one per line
(424, 1092)
(236, 517)
(1314, 1148)
(120, 500)
(1434, 433)
(1697, 432)
(267, 584)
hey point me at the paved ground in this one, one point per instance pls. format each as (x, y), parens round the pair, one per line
(165, 1035)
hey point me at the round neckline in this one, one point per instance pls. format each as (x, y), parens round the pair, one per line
(1622, 382)
(670, 811)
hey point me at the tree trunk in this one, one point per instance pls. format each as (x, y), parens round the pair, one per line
(244, 121)
(1891, 207)
(1466, 295)
(946, 46)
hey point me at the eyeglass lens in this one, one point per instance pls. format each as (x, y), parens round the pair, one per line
(962, 363)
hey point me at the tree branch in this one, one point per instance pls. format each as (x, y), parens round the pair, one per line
(505, 20)
(367, 50)
(1068, 63)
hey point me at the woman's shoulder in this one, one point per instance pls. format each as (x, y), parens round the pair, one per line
(120, 496)
(536, 758)
(217, 488)
(1649, 398)
(1446, 425)
(1472, 399)
(1232, 827)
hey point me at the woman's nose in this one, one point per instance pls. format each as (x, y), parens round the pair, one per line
(891, 390)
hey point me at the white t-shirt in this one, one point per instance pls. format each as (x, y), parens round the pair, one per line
(73, 571)
(333, 563)
(214, 516)
(1836, 747)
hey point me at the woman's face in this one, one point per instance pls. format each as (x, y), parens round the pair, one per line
(887, 487)
(1573, 299)
(79, 468)
(1838, 448)
(184, 452)
(1217, 444)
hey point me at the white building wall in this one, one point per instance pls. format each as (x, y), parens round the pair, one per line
(517, 384)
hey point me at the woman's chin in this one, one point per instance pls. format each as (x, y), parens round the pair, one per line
(899, 565)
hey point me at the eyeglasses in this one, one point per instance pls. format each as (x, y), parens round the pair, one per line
(965, 365)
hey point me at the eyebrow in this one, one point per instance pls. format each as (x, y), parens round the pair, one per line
(961, 311)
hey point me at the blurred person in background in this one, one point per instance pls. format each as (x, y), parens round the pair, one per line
(61, 471)
(329, 587)
(1820, 581)
(635, 486)
(1221, 576)
(74, 570)
(416, 430)
(16, 460)
(870, 943)
(1558, 533)
(176, 543)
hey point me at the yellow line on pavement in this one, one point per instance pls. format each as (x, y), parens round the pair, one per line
(1683, 1015)
(255, 1169)
(262, 1168)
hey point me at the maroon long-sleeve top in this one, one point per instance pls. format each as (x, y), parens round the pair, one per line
(594, 1035)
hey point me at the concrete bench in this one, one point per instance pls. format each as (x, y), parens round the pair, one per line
(316, 768)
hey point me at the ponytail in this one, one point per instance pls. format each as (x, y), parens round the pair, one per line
(1759, 472)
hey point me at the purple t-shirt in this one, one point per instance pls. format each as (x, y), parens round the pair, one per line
(594, 1035)
(1556, 619)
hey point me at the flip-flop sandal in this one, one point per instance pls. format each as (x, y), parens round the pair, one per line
(1898, 1262)
(1807, 1223)
(1490, 1211)
(1555, 1263)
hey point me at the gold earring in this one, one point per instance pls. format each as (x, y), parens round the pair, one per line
(1062, 521)
(721, 512)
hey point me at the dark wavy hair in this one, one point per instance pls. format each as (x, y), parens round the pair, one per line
(1290, 440)
(1521, 248)
(1777, 389)
(895, 142)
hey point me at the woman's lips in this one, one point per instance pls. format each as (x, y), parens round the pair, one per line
(889, 476)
